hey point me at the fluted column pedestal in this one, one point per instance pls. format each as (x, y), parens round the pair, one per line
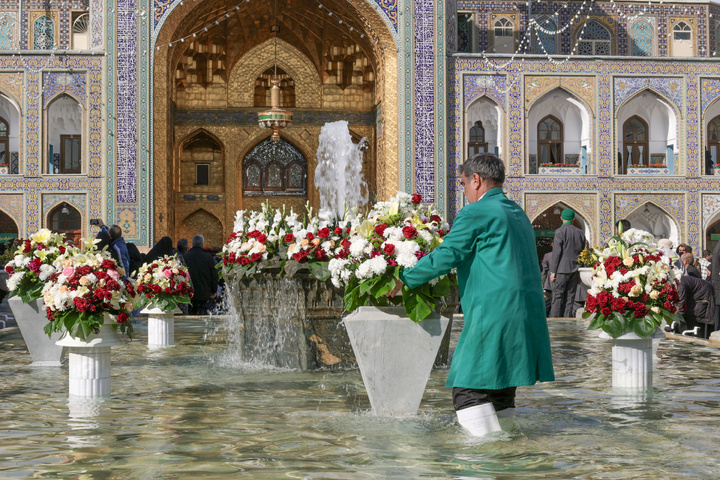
(161, 327)
(632, 360)
(89, 362)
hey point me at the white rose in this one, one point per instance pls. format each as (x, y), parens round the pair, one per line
(655, 309)
(654, 295)
(628, 261)
(635, 291)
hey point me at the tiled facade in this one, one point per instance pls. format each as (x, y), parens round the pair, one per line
(421, 123)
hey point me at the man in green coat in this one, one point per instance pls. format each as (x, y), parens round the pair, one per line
(505, 342)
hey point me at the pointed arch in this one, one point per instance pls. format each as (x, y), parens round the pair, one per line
(276, 163)
(548, 220)
(205, 223)
(258, 59)
(65, 218)
(662, 96)
(64, 132)
(487, 110)
(8, 224)
(654, 218)
(200, 154)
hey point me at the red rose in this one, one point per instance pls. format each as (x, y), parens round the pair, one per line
(255, 257)
(9, 269)
(606, 311)
(26, 249)
(262, 238)
(389, 248)
(409, 232)
(345, 244)
(416, 199)
(435, 218)
(320, 254)
(35, 265)
(122, 317)
(301, 256)
(309, 236)
(324, 232)
(289, 238)
(338, 231)
(254, 234)
(232, 237)
(62, 249)
(244, 260)
(380, 229)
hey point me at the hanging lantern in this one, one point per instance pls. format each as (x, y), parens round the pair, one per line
(276, 118)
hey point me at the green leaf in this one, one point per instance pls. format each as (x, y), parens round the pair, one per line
(366, 285)
(644, 326)
(416, 304)
(383, 286)
(615, 325)
(442, 288)
(351, 298)
(320, 270)
(596, 322)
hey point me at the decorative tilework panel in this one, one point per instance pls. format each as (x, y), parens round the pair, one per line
(709, 91)
(127, 220)
(425, 100)
(11, 85)
(452, 25)
(97, 18)
(710, 208)
(388, 7)
(64, 82)
(491, 85)
(44, 33)
(8, 30)
(545, 38)
(126, 167)
(642, 37)
(249, 117)
(582, 87)
(14, 163)
(671, 88)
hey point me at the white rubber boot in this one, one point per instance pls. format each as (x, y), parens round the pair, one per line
(479, 420)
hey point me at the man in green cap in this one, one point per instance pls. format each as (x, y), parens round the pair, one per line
(505, 342)
(569, 241)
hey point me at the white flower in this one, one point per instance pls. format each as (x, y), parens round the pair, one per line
(635, 291)
(14, 280)
(363, 271)
(407, 260)
(46, 272)
(425, 235)
(654, 294)
(378, 265)
(357, 246)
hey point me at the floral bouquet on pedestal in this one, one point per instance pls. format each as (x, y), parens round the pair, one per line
(164, 284)
(32, 264)
(395, 235)
(84, 288)
(634, 286)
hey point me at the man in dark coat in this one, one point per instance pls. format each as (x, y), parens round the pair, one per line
(690, 269)
(547, 284)
(697, 304)
(568, 243)
(715, 280)
(203, 275)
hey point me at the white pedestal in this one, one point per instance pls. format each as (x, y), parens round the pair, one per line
(586, 275)
(31, 319)
(632, 360)
(161, 327)
(395, 356)
(89, 362)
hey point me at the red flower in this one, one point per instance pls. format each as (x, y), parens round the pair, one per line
(289, 238)
(416, 199)
(669, 306)
(606, 311)
(62, 249)
(107, 264)
(254, 234)
(122, 317)
(35, 265)
(255, 257)
(80, 304)
(309, 236)
(345, 244)
(262, 238)
(9, 269)
(435, 218)
(380, 229)
(26, 248)
(300, 256)
(244, 260)
(389, 248)
(320, 254)
(618, 305)
(324, 232)
(338, 231)
(409, 232)
(342, 254)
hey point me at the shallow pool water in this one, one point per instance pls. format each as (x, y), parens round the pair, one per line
(190, 412)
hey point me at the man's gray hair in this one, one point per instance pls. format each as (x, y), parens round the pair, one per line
(487, 166)
(687, 258)
(198, 240)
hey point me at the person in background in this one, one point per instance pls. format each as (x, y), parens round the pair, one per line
(687, 260)
(705, 263)
(106, 241)
(136, 260)
(569, 241)
(505, 342)
(182, 246)
(163, 247)
(682, 248)
(547, 284)
(697, 304)
(203, 274)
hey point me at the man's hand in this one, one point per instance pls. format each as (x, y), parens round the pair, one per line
(552, 278)
(398, 286)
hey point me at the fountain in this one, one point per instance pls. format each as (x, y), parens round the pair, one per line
(188, 412)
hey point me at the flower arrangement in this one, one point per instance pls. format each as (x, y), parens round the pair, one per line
(395, 235)
(587, 258)
(652, 165)
(84, 288)
(362, 253)
(572, 165)
(32, 264)
(634, 286)
(164, 283)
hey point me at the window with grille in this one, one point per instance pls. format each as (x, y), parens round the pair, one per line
(682, 43)
(594, 39)
(550, 141)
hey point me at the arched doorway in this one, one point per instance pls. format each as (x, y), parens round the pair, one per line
(635, 142)
(548, 221)
(66, 219)
(216, 80)
(8, 228)
(653, 219)
(712, 235)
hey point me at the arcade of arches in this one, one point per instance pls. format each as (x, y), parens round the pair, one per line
(207, 93)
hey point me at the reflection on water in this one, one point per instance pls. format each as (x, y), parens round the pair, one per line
(181, 413)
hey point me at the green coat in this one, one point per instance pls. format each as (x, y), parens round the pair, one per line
(505, 341)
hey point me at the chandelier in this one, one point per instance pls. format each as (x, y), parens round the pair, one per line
(276, 118)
